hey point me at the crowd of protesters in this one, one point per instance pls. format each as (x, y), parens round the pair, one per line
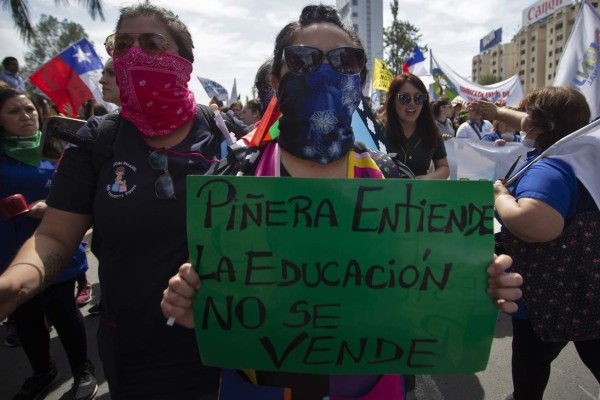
(135, 201)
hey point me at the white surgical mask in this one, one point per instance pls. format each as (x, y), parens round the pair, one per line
(527, 142)
(509, 137)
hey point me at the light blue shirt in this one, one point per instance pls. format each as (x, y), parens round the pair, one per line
(14, 81)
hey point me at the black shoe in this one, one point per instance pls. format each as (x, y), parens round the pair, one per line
(94, 310)
(38, 385)
(12, 338)
(85, 385)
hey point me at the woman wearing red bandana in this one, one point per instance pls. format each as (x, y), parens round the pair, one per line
(161, 138)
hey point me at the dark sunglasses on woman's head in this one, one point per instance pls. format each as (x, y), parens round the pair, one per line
(153, 44)
(302, 60)
(163, 186)
(404, 98)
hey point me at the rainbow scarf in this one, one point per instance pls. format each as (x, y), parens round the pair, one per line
(360, 165)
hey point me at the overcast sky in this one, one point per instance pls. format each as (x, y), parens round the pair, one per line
(234, 37)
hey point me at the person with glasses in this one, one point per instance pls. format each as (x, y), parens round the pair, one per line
(442, 112)
(136, 202)
(316, 75)
(411, 131)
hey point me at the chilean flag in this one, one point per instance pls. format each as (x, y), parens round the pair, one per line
(71, 78)
(416, 63)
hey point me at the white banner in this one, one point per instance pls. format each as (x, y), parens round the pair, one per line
(449, 83)
(579, 65)
(472, 159)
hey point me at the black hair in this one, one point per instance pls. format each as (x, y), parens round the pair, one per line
(9, 93)
(436, 106)
(312, 14)
(425, 123)
(8, 60)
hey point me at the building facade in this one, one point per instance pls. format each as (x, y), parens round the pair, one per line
(366, 16)
(534, 52)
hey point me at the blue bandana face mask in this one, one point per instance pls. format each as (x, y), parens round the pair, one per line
(316, 114)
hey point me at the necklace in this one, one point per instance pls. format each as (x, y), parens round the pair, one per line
(410, 157)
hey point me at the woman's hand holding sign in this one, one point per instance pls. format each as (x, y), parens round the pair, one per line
(178, 298)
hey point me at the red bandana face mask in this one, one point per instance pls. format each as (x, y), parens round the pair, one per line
(154, 91)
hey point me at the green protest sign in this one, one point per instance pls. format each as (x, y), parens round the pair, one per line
(342, 275)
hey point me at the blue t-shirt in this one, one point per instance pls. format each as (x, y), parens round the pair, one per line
(492, 137)
(33, 183)
(553, 182)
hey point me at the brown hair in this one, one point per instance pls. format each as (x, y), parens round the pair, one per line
(436, 106)
(557, 111)
(176, 28)
(425, 123)
(254, 106)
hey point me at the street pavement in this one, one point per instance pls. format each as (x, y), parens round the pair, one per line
(570, 379)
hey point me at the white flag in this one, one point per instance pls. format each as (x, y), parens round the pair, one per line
(451, 84)
(579, 65)
(581, 150)
(473, 159)
(234, 94)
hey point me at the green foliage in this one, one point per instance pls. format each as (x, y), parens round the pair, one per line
(399, 40)
(488, 79)
(53, 37)
(19, 11)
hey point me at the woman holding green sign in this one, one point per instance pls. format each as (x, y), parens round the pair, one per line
(316, 74)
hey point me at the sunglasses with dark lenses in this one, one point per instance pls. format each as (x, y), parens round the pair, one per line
(302, 60)
(404, 98)
(163, 186)
(153, 44)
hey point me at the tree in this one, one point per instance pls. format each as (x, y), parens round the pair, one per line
(399, 40)
(53, 37)
(488, 80)
(19, 10)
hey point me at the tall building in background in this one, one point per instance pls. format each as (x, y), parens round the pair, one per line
(535, 50)
(366, 16)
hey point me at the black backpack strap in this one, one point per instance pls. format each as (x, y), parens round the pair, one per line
(475, 129)
(106, 133)
(208, 114)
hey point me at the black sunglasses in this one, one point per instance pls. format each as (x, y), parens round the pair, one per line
(163, 186)
(404, 98)
(302, 60)
(153, 44)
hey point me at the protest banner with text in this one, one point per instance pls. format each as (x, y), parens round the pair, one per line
(342, 276)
